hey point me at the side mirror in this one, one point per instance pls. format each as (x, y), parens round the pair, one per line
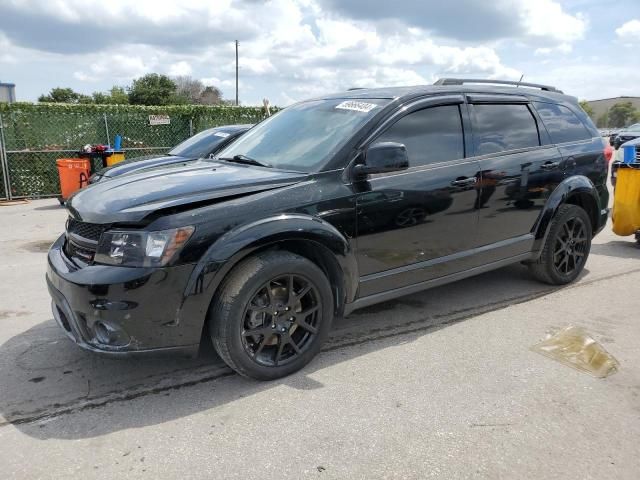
(383, 157)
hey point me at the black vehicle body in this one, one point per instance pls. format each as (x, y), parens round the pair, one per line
(469, 216)
(625, 135)
(213, 141)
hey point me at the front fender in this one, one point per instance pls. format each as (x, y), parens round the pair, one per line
(577, 184)
(236, 244)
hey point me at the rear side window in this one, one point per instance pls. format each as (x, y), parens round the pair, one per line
(431, 135)
(501, 127)
(562, 124)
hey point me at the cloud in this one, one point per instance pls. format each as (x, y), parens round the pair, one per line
(81, 26)
(546, 20)
(472, 20)
(295, 49)
(116, 67)
(84, 77)
(180, 68)
(563, 48)
(629, 32)
(605, 84)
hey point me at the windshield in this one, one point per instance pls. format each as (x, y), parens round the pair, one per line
(303, 137)
(635, 127)
(200, 145)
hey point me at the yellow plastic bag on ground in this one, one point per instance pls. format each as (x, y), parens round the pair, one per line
(626, 202)
(572, 346)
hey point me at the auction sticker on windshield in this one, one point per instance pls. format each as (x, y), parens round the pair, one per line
(222, 134)
(356, 106)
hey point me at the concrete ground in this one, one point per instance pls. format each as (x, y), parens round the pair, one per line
(440, 384)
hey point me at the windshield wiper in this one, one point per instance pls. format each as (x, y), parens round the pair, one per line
(245, 160)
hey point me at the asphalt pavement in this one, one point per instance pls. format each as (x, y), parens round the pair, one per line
(441, 384)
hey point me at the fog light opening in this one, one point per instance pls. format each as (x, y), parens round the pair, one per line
(103, 335)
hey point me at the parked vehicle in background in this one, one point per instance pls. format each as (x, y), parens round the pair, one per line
(331, 205)
(628, 133)
(202, 145)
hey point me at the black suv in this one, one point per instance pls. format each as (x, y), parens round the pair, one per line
(330, 205)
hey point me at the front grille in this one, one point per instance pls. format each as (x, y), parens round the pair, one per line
(82, 239)
(88, 231)
(76, 251)
(638, 154)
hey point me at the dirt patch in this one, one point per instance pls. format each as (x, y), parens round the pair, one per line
(38, 247)
(13, 313)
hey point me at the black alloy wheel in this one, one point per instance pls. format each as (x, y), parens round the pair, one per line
(280, 321)
(271, 315)
(566, 247)
(570, 247)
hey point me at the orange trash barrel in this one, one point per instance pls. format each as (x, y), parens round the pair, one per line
(74, 175)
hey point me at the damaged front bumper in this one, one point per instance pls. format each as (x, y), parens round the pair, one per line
(120, 311)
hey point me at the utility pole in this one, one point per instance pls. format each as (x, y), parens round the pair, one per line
(236, 72)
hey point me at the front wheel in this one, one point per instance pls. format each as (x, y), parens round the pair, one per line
(271, 315)
(566, 249)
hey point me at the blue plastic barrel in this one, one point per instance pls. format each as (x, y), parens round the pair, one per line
(117, 142)
(629, 153)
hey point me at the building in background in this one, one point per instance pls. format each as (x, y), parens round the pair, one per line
(7, 92)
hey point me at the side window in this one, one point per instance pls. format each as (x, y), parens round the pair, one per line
(500, 127)
(431, 135)
(562, 124)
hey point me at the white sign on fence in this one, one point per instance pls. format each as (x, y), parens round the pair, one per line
(159, 120)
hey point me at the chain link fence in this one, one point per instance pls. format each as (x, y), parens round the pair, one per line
(34, 136)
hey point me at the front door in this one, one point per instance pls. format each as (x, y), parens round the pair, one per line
(410, 224)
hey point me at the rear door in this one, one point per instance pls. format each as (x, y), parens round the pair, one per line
(582, 150)
(519, 170)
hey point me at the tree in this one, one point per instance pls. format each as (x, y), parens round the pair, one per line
(586, 107)
(622, 114)
(193, 91)
(153, 89)
(119, 95)
(211, 96)
(115, 96)
(603, 120)
(64, 95)
(188, 88)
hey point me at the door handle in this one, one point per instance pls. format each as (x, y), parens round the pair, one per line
(550, 165)
(464, 182)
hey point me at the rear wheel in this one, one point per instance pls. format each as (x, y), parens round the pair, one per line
(272, 315)
(566, 249)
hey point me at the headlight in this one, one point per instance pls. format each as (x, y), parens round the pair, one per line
(131, 248)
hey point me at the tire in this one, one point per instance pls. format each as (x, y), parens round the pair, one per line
(258, 328)
(566, 249)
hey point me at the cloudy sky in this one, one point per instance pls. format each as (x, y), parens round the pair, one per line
(294, 49)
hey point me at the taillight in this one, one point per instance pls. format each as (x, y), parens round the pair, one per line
(608, 153)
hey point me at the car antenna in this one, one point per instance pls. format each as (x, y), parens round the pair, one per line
(521, 77)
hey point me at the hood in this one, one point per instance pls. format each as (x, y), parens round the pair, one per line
(629, 133)
(131, 198)
(632, 143)
(134, 165)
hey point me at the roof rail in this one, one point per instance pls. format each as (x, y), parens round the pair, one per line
(355, 88)
(462, 81)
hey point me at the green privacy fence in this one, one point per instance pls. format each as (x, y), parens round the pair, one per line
(33, 136)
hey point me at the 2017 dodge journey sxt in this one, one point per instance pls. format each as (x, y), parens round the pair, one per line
(330, 205)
